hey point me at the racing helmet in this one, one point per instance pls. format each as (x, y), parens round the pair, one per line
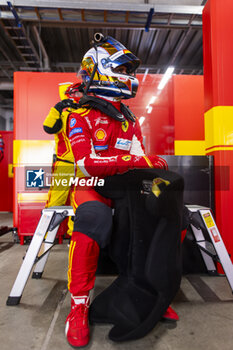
(62, 89)
(75, 91)
(98, 69)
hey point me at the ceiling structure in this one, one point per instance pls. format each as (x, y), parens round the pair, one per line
(53, 35)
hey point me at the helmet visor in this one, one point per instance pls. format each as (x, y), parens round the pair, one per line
(122, 58)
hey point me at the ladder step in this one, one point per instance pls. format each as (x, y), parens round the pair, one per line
(18, 38)
(23, 46)
(9, 28)
(34, 62)
(27, 54)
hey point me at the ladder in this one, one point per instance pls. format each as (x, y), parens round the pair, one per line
(201, 220)
(39, 249)
(19, 37)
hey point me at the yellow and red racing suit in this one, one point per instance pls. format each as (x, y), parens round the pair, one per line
(102, 146)
(63, 167)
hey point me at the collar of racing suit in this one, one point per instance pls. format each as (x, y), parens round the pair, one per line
(115, 109)
(109, 98)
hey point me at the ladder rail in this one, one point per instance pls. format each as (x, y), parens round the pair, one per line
(218, 244)
(29, 259)
(45, 234)
(45, 249)
(209, 263)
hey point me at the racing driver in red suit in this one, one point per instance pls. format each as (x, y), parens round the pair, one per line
(102, 146)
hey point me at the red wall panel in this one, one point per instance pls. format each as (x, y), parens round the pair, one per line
(159, 124)
(189, 107)
(34, 95)
(218, 79)
(6, 182)
(218, 53)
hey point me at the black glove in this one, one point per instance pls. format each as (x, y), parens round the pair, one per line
(65, 104)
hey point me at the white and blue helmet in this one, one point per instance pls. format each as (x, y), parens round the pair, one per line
(107, 55)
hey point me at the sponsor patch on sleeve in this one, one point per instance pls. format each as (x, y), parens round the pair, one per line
(75, 131)
(101, 148)
(123, 144)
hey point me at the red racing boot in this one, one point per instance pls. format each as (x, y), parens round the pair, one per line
(170, 315)
(77, 327)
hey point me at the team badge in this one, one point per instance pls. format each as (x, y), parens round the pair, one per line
(125, 125)
(72, 122)
(100, 135)
(126, 158)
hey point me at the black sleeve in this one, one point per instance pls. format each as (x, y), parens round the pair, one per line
(55, 129)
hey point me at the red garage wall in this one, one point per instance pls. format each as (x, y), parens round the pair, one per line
(6, 174)
(34, 94)
(189, 107)
(189, 115)
(217, 52)
(176, 122)
(158, 127)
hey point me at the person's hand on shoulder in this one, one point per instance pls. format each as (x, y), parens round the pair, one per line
(65, 104)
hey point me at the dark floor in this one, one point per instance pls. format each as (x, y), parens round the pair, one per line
(204, 304)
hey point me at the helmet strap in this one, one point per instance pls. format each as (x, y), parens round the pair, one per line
(93, 72)
(91, 79)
